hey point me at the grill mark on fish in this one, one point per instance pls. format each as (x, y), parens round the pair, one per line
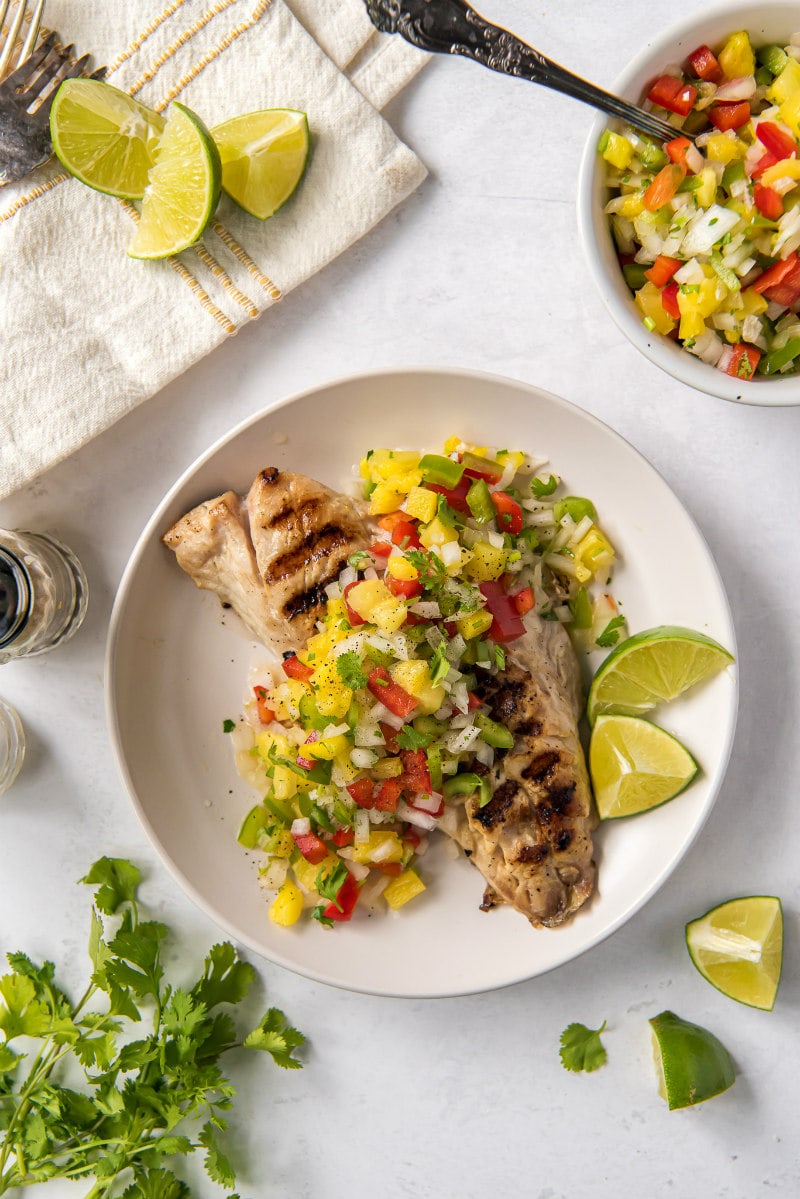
(542, 766)
(533, 853)
(314, 546)
(315, 596)
(492, 813)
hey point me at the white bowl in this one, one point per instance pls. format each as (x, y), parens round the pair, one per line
(766, 23)
(177, 668)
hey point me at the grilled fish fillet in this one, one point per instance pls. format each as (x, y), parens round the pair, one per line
(532, 842)
(269, 555)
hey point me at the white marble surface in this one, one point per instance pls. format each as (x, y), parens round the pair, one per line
(462, 1097)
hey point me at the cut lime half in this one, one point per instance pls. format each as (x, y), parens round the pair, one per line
(183, 190)
(693, 1065)
(651, 668)
(264, 156)
(104, 137)
(738, 948)
(635, 765)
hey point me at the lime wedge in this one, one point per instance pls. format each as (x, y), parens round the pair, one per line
(651, 668)
(738, 948)
(692, 1064)
(263, 155)
(635, 765)
(183, 188)
(104, 137)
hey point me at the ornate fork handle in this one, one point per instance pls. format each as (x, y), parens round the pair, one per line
(454, 27)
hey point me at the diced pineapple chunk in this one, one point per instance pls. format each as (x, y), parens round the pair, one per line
(307, 873)
(725, 147)
(388, 768)
(648, 301)
(436, 532)
(618, 150)
(421, 504)
(594, 550)
(403, 888)
(287, 905)
(785, 84)
(414, 676)
(736, 57)
(381, 846)
(487, 562)
(474, 623)
(331, 694)
(385, 498)
(366, 595)
(390, 615)
(399, 567)
(327, 748)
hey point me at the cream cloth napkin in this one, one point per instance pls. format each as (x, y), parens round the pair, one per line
(87, 333)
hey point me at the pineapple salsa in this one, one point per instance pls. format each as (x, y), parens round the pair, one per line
(708, 233)
(363, 743)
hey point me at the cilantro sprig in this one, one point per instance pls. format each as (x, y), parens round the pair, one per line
(148, 1094)
(581, 1048)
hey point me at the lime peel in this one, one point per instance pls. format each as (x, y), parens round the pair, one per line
(692, 1063)
(653, 667)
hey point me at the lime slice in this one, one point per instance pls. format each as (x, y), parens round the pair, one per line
(692, 1064)
(264, 155)
(738, 948)
(653, 667)
(104, 137)
(183, 188)
(635, 766)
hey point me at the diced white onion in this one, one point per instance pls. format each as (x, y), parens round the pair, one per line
(461, 739)
(451, 553)
(694, 159)
(347, 576)
(741, 88)
(274, 875)
(690, 272)
(455, 649)
(363, 758)
(708, 347)
(707, 227)
(428, 803)
(361, 824)
(460, 696)
(301, 827)
(358, 870)
(367, 735)
(725, 358)
(495, 539)
(412, 816)
(484, 753)
(427, 609)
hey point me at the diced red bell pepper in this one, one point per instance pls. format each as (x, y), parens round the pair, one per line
(388, 794)
(776, 140)
(729, 114)
(664, 186)
(473, 701)
(395, 698)
(523, 600)
(411, 836)
(390, 519)
(768, 202)
(744, 361)
(509, 513)
(312, 847)
(415, 770)
(391, 868)
(704, 64)
(390, 736)
(766, 161)
(781, 281)
(407, 588)
(381, 549)
(342, 837)
(669, 301)
(346, 899)
(405, 535)
(455, 496)
(363, 792)
(293, 668)
(265, 712)
(662, 270)
(352, 616)
(673, 94)
(676, 151)
(506, 621)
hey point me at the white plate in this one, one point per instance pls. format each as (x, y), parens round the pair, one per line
(177, 665)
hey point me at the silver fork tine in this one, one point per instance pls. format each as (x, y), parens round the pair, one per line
(26, 70)
(69, 69)
(13, 34)
(33, 32)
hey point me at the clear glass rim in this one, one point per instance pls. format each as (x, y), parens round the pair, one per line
(22, 579)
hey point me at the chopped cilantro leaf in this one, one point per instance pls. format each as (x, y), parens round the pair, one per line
(318, 914)
(228, 726)
(350, 670)
(581, 1048)
(328, 882)
(439, 664)
(359, 559)
(409, 738)
(610, 634)
(542, 487)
